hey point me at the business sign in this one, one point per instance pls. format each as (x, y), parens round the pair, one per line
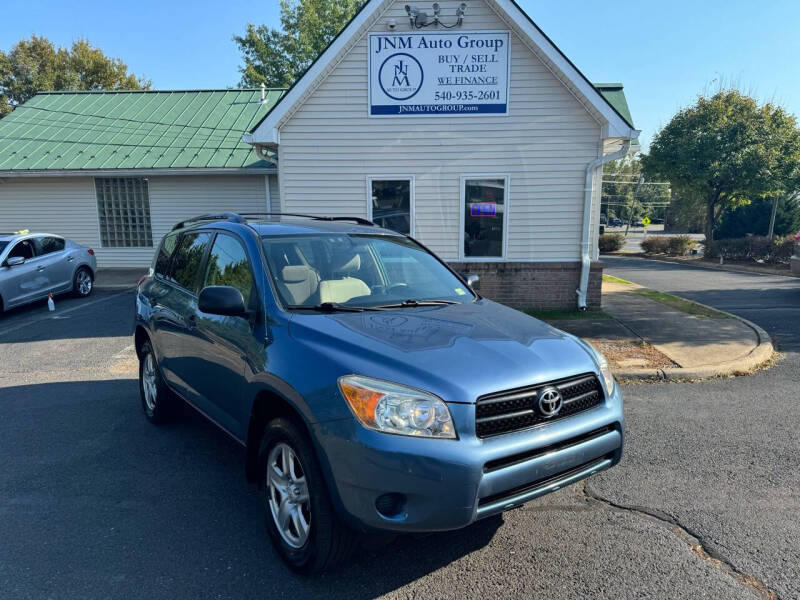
(455, 73)
(483, 209)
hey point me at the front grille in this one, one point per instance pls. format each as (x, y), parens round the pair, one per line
(514, 410)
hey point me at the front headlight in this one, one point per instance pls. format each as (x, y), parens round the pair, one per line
(394, 408)
(605, 370)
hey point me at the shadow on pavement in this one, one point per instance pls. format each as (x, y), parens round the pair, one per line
(103, 314)
(96, 502)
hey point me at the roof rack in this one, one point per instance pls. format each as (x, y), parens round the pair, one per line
(358, 220)
(242, 218)
(226, 216)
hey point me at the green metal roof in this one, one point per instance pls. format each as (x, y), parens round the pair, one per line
(615, 96)
(133, 130)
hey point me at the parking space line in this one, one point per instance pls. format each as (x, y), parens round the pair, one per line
(59, 313)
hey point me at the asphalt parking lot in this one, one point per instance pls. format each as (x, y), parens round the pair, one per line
(97, 503)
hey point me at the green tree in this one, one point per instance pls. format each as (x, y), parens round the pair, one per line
(754, 218)
(35, 64)
(725, 151)
(278, 57)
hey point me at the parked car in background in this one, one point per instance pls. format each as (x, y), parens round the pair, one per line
(615, 222)
(372, 387)
(33, 265)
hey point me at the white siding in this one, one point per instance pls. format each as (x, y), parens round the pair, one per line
(329, 144)
(274, 193)
(65, 206)
(68, 206)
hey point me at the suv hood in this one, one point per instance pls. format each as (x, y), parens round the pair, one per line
(458, 352)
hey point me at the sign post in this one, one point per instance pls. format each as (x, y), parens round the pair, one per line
(453, 73)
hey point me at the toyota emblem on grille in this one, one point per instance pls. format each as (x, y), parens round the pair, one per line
(550, 402)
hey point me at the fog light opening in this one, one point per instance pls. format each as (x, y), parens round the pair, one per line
(390, 505)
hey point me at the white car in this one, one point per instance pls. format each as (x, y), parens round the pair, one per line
(33, 265)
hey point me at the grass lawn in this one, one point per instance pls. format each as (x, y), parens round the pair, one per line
(681, 304)
(612, 279)
(561, 315)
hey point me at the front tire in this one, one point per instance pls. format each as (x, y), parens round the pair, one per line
(300, 520)
(159, 403)
(82, 282)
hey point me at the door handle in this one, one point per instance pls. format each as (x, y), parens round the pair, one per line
(40, 268)
(70, 259)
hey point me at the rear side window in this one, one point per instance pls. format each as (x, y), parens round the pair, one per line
(188, 260)
(228, 265)
(165, 251)
(51, 244)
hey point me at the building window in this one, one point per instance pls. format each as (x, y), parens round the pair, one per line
(391, 203)
(484, 216)
(123, 208)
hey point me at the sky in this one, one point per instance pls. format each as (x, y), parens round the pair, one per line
(665, 53)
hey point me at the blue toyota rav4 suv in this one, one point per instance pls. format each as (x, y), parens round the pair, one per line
(371, 386)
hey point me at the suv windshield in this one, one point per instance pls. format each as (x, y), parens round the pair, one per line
(358, 270)
(3, 246)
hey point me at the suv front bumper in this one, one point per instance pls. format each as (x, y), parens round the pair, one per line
(448, 484)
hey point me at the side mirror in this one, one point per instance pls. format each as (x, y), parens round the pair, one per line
(222, 300)
(473, 281)
(15, 261)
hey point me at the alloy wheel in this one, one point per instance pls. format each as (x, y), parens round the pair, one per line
(149, 382)
(287, 495)
(84, 281)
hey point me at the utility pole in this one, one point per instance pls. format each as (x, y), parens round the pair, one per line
(771, 233)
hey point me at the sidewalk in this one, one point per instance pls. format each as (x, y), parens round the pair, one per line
(118, 278)
(646, 339)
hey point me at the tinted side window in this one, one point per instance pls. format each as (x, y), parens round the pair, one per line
(51, 244)
(23, 249)
(188, 259)
(228, 265)
(165, 251)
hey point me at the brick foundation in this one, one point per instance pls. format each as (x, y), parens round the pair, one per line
(535, 285)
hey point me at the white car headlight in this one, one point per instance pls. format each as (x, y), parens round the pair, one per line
(605, 370)
(394, 408)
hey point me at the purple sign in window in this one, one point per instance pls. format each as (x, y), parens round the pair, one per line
(483, 209)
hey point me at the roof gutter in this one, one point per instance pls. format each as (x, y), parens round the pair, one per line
(586, 256)
(24, 173)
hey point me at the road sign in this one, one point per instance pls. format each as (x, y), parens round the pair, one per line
(646, 221)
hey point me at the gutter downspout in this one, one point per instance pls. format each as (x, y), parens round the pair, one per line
(586, 257)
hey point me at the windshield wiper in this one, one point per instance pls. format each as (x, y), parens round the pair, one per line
(329, 307)
(414, 303)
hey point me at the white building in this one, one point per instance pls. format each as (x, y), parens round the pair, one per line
(473, 133)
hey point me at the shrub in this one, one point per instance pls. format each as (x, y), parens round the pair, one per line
(679, 245)
(611, 242)
(756, 247)
(655, 245)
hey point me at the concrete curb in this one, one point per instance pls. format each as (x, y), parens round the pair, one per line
(115, 287)
(713, 267)
(745, 365)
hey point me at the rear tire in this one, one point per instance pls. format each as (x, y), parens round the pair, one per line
(313, 538)
(82, 282)
(159, 403)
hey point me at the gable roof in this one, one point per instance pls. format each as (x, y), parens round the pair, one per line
(619, 123)
(97, 131)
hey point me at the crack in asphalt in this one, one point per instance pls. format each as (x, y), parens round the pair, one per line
(692, 538)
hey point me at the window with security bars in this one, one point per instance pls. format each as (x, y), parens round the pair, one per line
(123, 208)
